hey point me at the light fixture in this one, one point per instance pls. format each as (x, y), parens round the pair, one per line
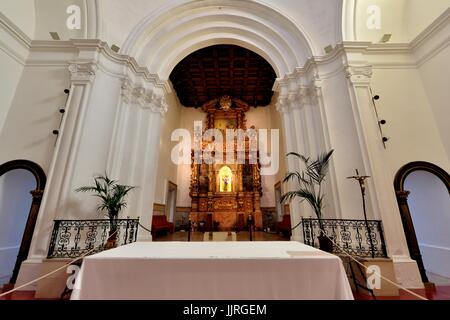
(115, 48)
(328, 49)
(386, 37)
(55, 36)
(380, 120)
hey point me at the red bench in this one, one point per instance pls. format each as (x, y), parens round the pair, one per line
(160, 224)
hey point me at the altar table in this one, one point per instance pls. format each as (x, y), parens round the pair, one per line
(212, 271)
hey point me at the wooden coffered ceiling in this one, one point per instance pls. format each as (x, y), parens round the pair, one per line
(220, 70)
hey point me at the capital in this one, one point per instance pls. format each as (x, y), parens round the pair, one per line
(82, 71)
(282, 104)
(402, 195)
(359, 74)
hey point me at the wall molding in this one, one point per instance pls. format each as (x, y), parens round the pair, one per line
(65, 52)
(412, 55)
(15, 43)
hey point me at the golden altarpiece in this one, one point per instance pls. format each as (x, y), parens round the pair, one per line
(226, 195)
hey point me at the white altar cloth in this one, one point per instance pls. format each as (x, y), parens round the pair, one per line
(212, 271)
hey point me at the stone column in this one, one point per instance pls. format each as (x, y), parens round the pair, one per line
(381, 194)
(290, 141)
(297, 107)
(317, 116)
(66, 152)
(154, 107)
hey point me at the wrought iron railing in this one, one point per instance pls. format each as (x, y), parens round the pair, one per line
(74, 238)
(350, 235)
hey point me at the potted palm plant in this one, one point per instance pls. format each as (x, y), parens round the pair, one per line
(112, 195)
(309, 188)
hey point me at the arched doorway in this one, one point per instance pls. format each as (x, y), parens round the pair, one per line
(20, 177)
(424, 177)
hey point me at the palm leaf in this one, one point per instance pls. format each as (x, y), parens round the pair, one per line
(310, 181)
(298, 155)
(111, 194)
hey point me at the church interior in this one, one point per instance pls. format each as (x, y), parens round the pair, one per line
(304, 141)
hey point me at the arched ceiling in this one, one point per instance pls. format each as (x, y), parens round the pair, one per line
(219, 70)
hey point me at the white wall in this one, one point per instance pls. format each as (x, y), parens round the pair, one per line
(434, 73)
(261, 119)
(16, 30)
(411, 125)
(27, 133)
(15, 203)
(420, 14)
(167, 170)
(21, 13)
(429, 203)
(404, 19)
(12, 70)
(51, 16)
(187, 118)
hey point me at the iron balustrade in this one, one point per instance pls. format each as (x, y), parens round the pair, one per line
(350, 235)
(74, 238)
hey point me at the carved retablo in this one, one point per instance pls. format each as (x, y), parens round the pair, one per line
(225, 193)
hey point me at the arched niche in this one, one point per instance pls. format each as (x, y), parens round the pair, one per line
(36, 195)
(402, 199)
(226, 179)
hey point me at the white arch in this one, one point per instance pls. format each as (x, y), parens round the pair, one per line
(348, 20)
(171, 33)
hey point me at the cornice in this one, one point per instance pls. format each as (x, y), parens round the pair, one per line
(433, 28)
(98, 46)
(13, 41)
(14, 30)
(310, 69)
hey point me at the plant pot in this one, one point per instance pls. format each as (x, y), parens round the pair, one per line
(325, 244)
(111, 242)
